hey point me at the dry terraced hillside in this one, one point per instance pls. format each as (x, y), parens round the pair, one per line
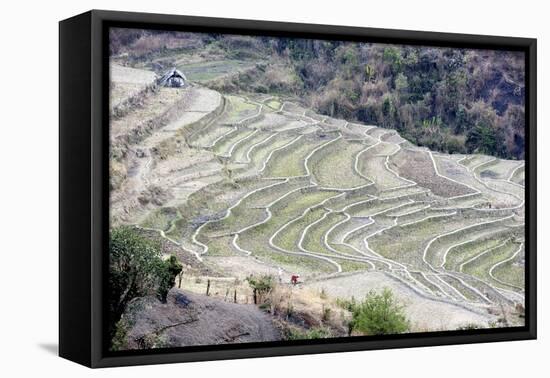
(247, 183)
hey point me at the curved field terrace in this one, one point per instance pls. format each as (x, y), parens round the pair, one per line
(248, 184)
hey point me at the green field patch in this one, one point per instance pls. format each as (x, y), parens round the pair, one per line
(256, 239)
(346, 249)
(356, 238)
(406, 243)
(274, 104)
(497, 169)
(420, 215)
(161, 219)
(376, 132)
(377, 206)
(335, 122)
(240, 217)
(435, 253)
(352, 266)
(294, 204)
(245, 213)
(224, 145)
(314, 239)
(408, 209)
(240, 151)
(282, 212)
(206, 71)
(382, 149)
(237, 110)
(293, 263)
(374, 168)
(512, 272)
(351, 198)
(272, 193)
(480, 267)
(485, 288)
(275, 122)
(420, 278)
(341, 230)
(294, 108)
(507, 187)
(463, 202)
(519, 176)
(179, 229)
(333, 166)
(260, 154)
(289, 161)
(212, 201)
(209, 134)
(474, 160)
(449, 168)
(415, 192)
(289, 237)
(460, 254)
(222, 246)
(465, 291)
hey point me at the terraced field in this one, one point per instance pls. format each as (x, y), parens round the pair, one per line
(261, 179)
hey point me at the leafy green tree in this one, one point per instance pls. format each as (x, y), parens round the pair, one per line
(461, 120)
(167, 275)
(387, 106)
(482, 139)
(393, 56)
(378, 314)
(136, 269)
(401, 83)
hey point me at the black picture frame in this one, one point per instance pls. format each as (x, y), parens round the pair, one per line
(83, 181)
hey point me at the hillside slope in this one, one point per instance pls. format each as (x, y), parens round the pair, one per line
(253, 183)
(190, 319)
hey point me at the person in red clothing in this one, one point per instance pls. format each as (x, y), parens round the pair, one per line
(294, 279)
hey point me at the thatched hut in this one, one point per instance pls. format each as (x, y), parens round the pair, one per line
(173, 78)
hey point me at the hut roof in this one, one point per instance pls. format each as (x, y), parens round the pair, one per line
(170, 74)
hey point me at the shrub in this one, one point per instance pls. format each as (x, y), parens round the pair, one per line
(261, 286)
(314, 333)
(119, 338)
(167, 275)
(136, 270)
(378, 314)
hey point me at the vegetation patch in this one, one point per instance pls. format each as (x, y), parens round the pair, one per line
(207, 71)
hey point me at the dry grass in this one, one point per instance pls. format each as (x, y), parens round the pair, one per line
(296, 309)
(301, 309)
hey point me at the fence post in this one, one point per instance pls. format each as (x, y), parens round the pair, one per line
(208, 288)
